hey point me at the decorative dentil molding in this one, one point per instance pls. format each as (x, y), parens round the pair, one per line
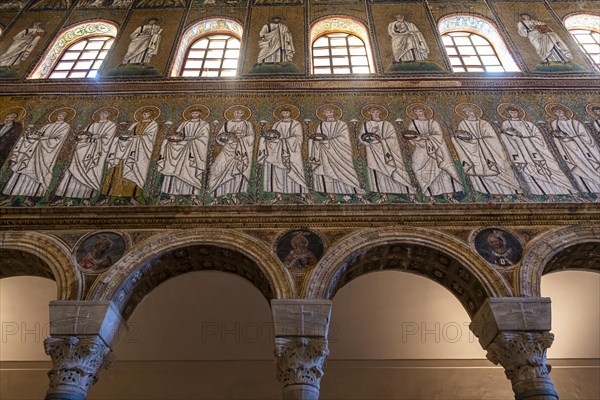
(300, 360)
(76, 362)
(523, 356)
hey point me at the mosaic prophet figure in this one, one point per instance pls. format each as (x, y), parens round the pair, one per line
(276, 43)
(408, 43)
(547, 44)
(144, 43)
(22, 46)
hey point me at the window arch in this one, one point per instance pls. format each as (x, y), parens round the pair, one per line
(340, 45)
(585, 28)
(77, 52)
(209, 48)
(473, 44)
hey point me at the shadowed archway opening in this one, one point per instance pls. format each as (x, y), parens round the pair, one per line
(582, 256)
(183, 260)
(415, 259)
(21, 263)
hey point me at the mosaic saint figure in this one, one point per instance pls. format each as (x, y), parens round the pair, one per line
(34, 156)
(593, 110)
(547, 44)
(408, 43)
(276, 43)
(183, 154)
(10, 130)
(300, 258)
(330, 155)
(22, 46)
(230, 172)
(529, 153)
(280, 150)
(144, 44)
(99, 256)
(431, 159)
(577, 147)
(385, 165)
(129, 157)
(83, 179)
(481, 154)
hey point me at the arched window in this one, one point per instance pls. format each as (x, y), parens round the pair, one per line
(209, 48)
(340, 46)
(474, 45)
(77, 52)
(585, 28)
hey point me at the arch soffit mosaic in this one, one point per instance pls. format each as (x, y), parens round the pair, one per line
(323, 280)
(53, 253)
(259, 252)
(540, 251)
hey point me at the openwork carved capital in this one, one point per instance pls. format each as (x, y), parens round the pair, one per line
(301, 360)
(523, 356)
(75, 363)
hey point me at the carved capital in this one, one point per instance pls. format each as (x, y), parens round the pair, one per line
(75, 364)
(300, 360)
(523, 356)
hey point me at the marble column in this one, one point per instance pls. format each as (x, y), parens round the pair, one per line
(515, 332)
(81, 337)
(301, 347)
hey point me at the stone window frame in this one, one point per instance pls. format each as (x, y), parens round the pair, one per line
(484, 28)
(199, 30)
(332, 25)
(67, 38)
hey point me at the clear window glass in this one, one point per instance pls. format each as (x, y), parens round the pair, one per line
(589, 42)
(212, 56)
(340, 53)
(83, 58)
(469, 52)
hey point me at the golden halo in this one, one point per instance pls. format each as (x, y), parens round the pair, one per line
(294, 111)
(204, 111)
(384, 113)
(461, 106)
(137, 115)
(548, 108)
(502, 110)
(410, 110)
(20, 111)
(588, 109)
(71, 113)
(114, 113)
(337, 112)
(228, 114)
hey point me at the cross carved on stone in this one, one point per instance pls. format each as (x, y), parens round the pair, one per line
(302, 313)
(521, 312)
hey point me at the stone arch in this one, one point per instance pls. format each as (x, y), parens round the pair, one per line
(33, 248)
(547, 253)
(461, 271)
(144, 268)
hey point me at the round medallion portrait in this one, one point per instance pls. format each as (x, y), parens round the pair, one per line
(100, 251)
(498, 247)
(299, 250)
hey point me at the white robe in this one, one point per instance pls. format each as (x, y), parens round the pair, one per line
(408, 44)
(531, 155)
(230, 172)
(431, 160)
(276, 44)
(23, 44)
(183, 163)
(144, 44)
(580, 153)
(332, 160)
(484, 160)
(135, 153)
(548, 46)
(283, 166)
(385, 166)
(83, 179)
(34, 161)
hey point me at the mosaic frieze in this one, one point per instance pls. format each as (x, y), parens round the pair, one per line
(266, 149)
